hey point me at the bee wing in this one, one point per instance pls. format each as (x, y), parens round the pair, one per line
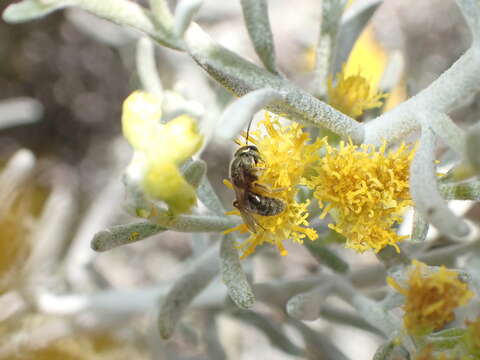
(248, 218)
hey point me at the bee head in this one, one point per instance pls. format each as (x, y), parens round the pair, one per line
(248, 151)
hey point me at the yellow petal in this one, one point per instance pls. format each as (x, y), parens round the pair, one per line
(369, 57)
(179, 139)
(395, 285)
(141, 119)
(163, 181)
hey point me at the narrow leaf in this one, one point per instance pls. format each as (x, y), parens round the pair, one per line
(124, 234)
(255, 13)
(419, 227)
(237, 115)
(185, 290)
(30, 10)
(326, 257)
(270, 329)
(424, 189)
(233, 276)
(147, 68)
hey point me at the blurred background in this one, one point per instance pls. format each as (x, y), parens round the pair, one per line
(63, 79)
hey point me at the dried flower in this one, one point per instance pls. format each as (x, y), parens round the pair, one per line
(427, 353)
(366, 191)
(159, 150)
(98, 346)
(287, 155)
(431, 298)
(353, 94)
(471, 340)
(15, 234)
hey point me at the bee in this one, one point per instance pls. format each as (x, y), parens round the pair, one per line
(245, 170)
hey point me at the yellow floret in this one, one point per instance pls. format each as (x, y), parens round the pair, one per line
(353, 94)
(365, 190)
(141, 118)
(430, 298)
(160, 149)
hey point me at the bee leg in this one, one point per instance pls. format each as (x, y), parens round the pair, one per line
(267, 189)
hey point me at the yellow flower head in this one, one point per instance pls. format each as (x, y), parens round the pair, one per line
(431, 298)
(160, 149)
(353, 94)
(286, 155)
(366, 191)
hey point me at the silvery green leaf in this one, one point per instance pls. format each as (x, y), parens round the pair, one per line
(326, 256)
(124, 234)
(241, 77)
(233, 275)
(424, 189)
(273, 331)
(353, 22)
(473, 148)
(184, 13)
(194, 172)
(147, 68)
(419, 227)
(450, 132)
(326, 44)
(209, 197)
(162, 13)
(240, 112)
(307, 305)
(185, 289)
(255, 13)
(319, 345)
(31, 9)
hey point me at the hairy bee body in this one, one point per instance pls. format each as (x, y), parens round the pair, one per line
(244, 173)
(264, 205)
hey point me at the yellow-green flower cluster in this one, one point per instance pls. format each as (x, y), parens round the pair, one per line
(353, 94)
(365, 190)
(286, 154)
(160, 149)
(430, 298)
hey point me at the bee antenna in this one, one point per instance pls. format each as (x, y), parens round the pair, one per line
(248, 131)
